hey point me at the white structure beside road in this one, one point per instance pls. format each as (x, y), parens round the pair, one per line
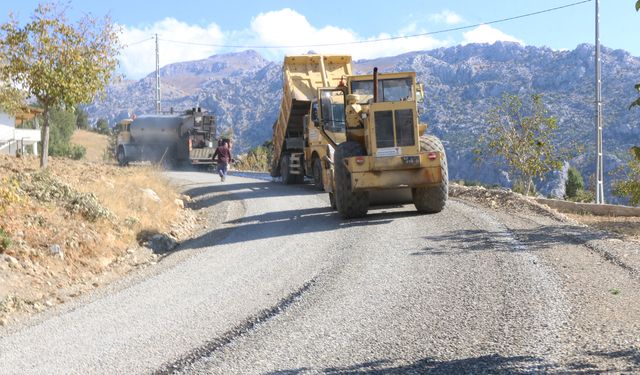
(15, 140)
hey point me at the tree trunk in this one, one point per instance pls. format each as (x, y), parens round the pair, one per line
(44, 156)
(529, 183)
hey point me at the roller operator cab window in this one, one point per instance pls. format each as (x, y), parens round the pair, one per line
(389, 90)
(332, 110)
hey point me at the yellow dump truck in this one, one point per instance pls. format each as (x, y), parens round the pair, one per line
(299, 145)
(359, 136)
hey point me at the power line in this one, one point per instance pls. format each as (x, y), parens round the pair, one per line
(139, 42)
(384, 39)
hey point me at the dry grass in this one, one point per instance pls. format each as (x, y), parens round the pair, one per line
(90, 247)
(95, 143)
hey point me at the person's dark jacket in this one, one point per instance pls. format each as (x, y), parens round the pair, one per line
(223, 154)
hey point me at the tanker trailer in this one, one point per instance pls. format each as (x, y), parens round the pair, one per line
(167, 138)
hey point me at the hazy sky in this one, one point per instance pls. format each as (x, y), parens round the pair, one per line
(280, 24)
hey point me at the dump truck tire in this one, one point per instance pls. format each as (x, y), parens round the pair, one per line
(350, 204)
(332, 201)
(432, 199)
(287, 178)
(121, 157)
(317, 173)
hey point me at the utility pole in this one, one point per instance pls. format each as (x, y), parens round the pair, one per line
(599, 166)
(158, 106)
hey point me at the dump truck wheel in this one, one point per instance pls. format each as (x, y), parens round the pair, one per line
(332, 201)
(317, 173)
(287, 178)
(350, 204)
(432, 199)
(121, 157)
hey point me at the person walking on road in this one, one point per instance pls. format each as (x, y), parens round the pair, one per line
(223, 153)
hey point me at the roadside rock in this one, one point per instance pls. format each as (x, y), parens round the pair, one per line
(161, 243)
(13, 262)
(56, 251)
(150, 194)
(179, 203)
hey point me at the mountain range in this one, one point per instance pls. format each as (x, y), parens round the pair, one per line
(462, 83)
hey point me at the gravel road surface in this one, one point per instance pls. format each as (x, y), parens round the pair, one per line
(281, 285)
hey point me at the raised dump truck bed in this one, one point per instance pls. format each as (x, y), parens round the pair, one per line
(302, 76)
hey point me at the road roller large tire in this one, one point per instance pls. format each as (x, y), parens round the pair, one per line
(350, 204)
(432, 199)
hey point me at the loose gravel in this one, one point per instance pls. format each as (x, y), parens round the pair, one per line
(284, 286)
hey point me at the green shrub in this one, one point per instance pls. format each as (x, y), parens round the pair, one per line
(583, 196)
(45, 188)
(574, 184)
(257, 159)
(5, 240)
(70, 151)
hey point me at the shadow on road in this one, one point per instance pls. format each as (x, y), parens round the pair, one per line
(489, 364)
(286, 223)
(280, 223)
(627, 361)
(206, 196)
(543, 237)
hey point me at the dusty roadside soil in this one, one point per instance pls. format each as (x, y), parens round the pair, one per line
(77, 226)
(624, 227)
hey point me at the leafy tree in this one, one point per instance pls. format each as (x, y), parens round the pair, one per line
(11, 98)
(257, 159)
(59, 63)
(629, 186)
(63, 124)
(82, 119)
(637, 86)
(574, 184)
(109, 153)
(102, 126)
(523, 187)
(521, 133)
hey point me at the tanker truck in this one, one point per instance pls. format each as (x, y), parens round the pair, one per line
(298, 145)
(170, 138)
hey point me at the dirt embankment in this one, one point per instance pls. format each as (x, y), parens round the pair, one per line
(628, 227)
(76, 226)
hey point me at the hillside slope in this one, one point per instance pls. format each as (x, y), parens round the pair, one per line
(94, 143)
(75, 226)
